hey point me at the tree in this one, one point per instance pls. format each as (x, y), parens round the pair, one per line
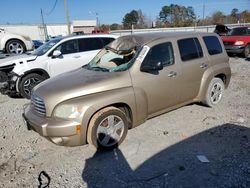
(177, 15)
(218, 17)
(234, 14)
(115, 26)
(130, 19)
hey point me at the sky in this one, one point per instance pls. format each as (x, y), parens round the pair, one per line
(108, 11)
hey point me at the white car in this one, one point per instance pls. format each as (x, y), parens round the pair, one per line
(13, 43)
(19, 74)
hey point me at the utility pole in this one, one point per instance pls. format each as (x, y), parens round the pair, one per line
(44, 27)
(204, 6)
(67, 15)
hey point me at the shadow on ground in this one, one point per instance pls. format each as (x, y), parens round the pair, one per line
(227, 147)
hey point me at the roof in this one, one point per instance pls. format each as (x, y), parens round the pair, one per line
(129, 42)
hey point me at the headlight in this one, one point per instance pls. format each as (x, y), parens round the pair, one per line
(239, 42)
(69, 111)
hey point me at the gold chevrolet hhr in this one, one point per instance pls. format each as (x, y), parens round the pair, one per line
(134, 78)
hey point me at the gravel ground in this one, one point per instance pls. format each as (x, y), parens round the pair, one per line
(160, 153)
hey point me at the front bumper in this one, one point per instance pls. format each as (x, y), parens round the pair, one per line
(59, 131)
(8, 82)
(234, 49)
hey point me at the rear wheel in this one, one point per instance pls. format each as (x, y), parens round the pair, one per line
(107, 128)
(28, 83)
(15, 47)
(214, 92)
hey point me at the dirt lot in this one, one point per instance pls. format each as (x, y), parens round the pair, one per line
(160, 153)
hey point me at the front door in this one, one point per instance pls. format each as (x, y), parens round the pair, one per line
(161, 88)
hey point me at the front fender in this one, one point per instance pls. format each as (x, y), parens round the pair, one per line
(94, 102)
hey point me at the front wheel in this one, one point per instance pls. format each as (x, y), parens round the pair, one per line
(246, 51)
(28, 82)
(107, 128)
(214, 92)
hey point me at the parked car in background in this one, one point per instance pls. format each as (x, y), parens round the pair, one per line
(37, 43)
(238, 41)
(19, 74)
(134, 78)
(221, 29)
(13, 43)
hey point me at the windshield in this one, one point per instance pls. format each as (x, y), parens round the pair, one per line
(239, 32)
(45, 47)
(110, 60)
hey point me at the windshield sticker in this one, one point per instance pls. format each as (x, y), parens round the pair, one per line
(143, 53)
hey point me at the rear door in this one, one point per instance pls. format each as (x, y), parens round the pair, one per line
(194, 63)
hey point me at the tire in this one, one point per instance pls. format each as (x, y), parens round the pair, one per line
(28, 82)
(15, 47)
(246, 51)
(214, 92)
(101, 133)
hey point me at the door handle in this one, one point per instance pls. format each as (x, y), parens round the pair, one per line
(172, 74)
(77, 56)
(203, 65)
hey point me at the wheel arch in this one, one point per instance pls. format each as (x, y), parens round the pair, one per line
(41, 72)
(5, 45)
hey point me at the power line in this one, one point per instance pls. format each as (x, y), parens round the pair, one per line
(53, 8)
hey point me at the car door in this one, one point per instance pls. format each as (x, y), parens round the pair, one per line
(69, 59)
(194, 63)
(160, 88)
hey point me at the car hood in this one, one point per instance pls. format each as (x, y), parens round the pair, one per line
(17, 59)
(233, 38)
(78, 83)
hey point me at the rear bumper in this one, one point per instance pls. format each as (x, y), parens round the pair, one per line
(59, 131)
(234, 49)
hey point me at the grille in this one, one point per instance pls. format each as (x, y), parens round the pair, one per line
(38, 104)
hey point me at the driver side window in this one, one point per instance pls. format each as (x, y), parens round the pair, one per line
(68, 47)
(160, 53)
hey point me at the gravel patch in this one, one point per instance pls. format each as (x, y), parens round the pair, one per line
(160, 153)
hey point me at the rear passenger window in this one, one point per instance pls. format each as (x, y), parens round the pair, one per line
(190, 49)
(160, 53)
(88, 44)
(107, 41)
(213, 45)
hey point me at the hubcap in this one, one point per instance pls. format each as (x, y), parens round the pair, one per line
(110, 130)
(216, 93)
(30, 84)
(16, 48)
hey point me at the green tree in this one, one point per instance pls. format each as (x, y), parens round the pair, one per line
(177, 15)
(115, 26)
(130, 19)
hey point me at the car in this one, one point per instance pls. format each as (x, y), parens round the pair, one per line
(37, 43)
(134, 78)
(221, 29)
(13, 43)
(19, 74)
(237, 41)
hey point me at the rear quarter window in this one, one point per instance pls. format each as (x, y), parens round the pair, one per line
(107, 41)
(190, 48)
(213, 45)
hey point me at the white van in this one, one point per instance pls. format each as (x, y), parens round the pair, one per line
(19, 74)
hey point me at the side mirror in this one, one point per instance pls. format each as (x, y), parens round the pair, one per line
(56, 54)
(152, 66)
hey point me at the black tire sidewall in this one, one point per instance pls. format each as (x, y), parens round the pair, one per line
(21, 85)
(102, 116)
(17, 41)
(245, 51)
(208, 101)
